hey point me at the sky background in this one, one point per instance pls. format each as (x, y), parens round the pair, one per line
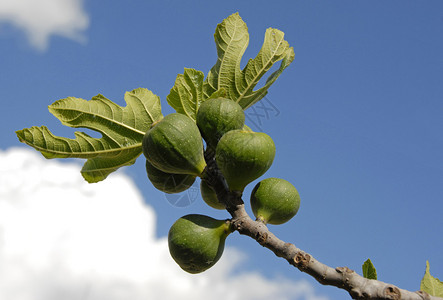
(357, 120)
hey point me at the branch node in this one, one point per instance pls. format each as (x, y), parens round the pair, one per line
(288, 245)
(357, 294)
(423, 295)
(392, 292)
(262, 238)
(239, 223)
(344, 270)
(301, 260)
(345, 274)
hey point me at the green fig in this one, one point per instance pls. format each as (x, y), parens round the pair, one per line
(196, 242)
(174, 145)
(167, 182)
(244, 156)
(217, 116)
(275, 201)
(209, 196)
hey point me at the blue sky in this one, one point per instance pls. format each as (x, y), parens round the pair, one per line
(357, 118)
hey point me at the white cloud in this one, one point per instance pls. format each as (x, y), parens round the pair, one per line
(42, 18)
(61, 238)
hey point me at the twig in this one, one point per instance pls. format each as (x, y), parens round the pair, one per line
(342, 277)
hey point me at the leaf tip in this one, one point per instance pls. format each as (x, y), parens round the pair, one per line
(91, 178)
(234, 15)
(369, 270)
(20, 135)
(430, 284)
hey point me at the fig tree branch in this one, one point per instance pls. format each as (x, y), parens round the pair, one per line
(342, 277)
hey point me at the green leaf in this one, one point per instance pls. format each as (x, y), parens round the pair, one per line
(369, 271)
(221, 93)
(430, 284)
(122, 130)
(187, 93)
(231, 39)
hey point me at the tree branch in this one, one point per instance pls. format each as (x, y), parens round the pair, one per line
(342, 277)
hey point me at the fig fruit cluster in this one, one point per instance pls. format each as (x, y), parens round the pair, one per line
(175, 157)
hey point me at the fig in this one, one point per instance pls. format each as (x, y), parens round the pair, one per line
(217, 116)
(244, 156)
(275, 201)
(174, 145)
(167, 182)
(196, 242)
(209, 196)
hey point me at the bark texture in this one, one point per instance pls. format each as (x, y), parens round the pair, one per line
(357, 286)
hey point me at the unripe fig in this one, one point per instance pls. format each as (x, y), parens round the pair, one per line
(217, 116)
(196, 242)
(244, 156)
(167, 182)
(209, 196)
(274, 201)
(174, 145)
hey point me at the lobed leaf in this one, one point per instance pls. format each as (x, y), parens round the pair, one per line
(187, 93)
(369, 270)
(431, 285)
(221, 93)
(231, 39)
(122, 130)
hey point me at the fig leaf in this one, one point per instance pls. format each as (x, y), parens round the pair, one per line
(431, 285)
(122, 130)
(369, 270)
(187, 93)
(232, 39)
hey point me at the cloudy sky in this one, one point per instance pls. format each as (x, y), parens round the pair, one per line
(357, 121)
(62, 238)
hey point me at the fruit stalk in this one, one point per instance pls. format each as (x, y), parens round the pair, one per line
(214, 178)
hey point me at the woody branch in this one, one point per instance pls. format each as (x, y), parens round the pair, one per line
(342, 277)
